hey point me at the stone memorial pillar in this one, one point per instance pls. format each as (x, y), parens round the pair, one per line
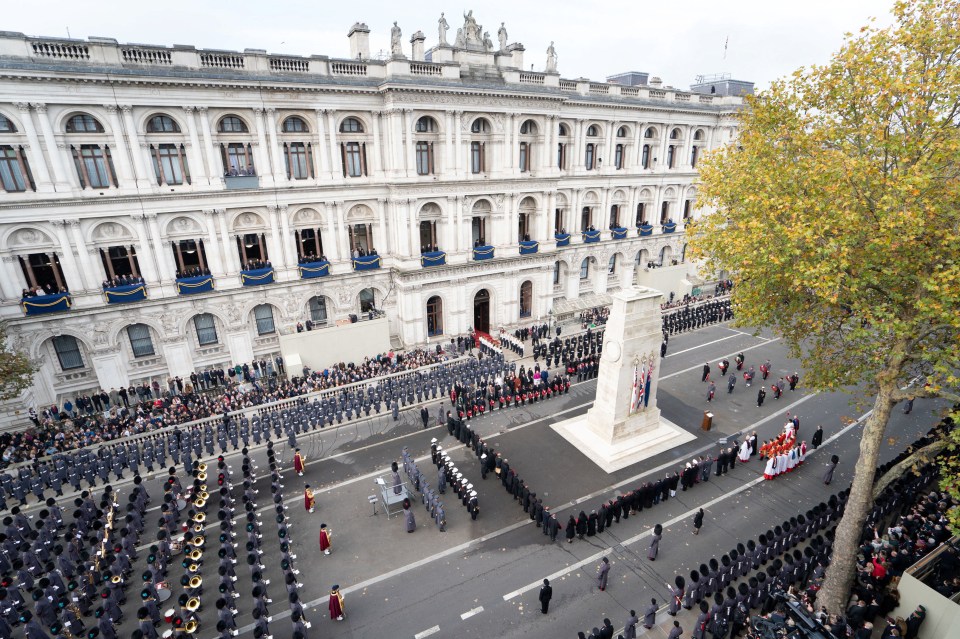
(624, 426)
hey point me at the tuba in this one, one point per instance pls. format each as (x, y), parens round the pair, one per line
(195, 554)
(194, 603)
(190, 627)
(195, 582)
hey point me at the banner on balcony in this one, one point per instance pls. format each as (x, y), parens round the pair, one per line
(366, 262)
(529, 247)
(589, 237)
(563, 239)
(124, 294)
(311, 270)
(257, 277)
(619, 233)
(42, 304)
(194, 285)
(433, 258)
(482, 253)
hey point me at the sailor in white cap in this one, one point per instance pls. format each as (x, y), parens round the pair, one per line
(472, 505)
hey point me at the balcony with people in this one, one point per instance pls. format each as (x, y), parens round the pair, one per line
(47, 290)
(363, 255)
(193, 275)
(124, 283)
(430, 253)
(312, 262)
(255, 266)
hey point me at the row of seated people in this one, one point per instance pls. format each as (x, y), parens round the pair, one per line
(195, 271)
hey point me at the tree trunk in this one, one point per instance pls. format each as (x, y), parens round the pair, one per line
(843, 563)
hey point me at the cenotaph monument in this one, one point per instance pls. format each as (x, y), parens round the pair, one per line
(624, 426)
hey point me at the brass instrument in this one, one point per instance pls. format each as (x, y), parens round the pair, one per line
(193, 568)
(199, 502)
(198, 528)
(195, 554)
(194, 603)
(197, 541)
(200, 518)
(202, 475)
(202, 467)
(115, 579)
(190, 627)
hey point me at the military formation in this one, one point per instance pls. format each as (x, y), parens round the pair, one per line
(692, 316)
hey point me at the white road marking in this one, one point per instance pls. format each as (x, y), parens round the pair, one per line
(632, 540)
(471, 613)
(427, 632)
(700, 366)
(687, 350)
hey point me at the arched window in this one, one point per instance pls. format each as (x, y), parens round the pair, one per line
(529, 127)
(206, 329)
(15, 176)
(563, 131)
(162, 124)
(426, 124)
(480, 125)
(231, 124)
(645, 157)
(589, 156)
(622, 132)
(68, 352)
(263, 315)
(6, 126)
(140, 341)
(526, 299)
(585, 268)
(351, 125)
(556, 273)
(84, 123)
(612, 264)
(650, 133)
(675, 134)
(318, 309)
(367, 300)
(698, 135)
(295, 124)
(434, 316)
(593, 131)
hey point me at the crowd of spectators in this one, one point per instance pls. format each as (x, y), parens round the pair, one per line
(251, 265)
(195, 271)
(595, 316)
(101, 416)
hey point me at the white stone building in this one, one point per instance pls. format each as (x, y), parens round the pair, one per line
(116, 159)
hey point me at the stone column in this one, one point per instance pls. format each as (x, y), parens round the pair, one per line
(578, 163)
(274, 244)
(335, 170)
(166, 269)
(464, 232)
(264, 170)
(89, 272)
(380, 241)
(542, 231)
(343, 237)
(38, 163)
(279, 172)
(71, 271)
(214, 245)
(231, 260)
(414, 228)
(322, 148)
(332, 246)
(143, 170)
(450, 244)
(458, 153)
(120, 155)
(374, 154)
(287, 240)
(214, 169)
(198, 173)
(407, 143)
(12, 282)
(509, 136)
(63, 179)
(573, 280)
(549, 152)
(609, 151)
(146, 255)
(449, 153)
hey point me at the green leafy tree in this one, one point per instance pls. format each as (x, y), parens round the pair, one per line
(838, 212)
(16, 369)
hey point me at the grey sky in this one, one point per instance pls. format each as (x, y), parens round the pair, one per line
(674, 39)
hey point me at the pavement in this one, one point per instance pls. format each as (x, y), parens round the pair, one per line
(481, 578)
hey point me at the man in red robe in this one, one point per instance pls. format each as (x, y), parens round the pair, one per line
(299, 462)
(309, 502)
(336, 603)
(324, 539)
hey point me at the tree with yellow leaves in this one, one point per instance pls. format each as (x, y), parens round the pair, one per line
(838, 212)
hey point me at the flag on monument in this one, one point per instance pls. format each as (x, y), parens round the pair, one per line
(646, 391)
(637, 395)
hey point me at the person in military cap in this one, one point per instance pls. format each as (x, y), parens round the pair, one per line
(335, 604)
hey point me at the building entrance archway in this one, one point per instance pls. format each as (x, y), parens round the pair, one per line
(481, 311)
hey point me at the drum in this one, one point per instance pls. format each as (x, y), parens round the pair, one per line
(168, 615)
(163, 593)
(181, 504)
(176, 547)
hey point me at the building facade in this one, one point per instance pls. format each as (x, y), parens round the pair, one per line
(169, 209)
